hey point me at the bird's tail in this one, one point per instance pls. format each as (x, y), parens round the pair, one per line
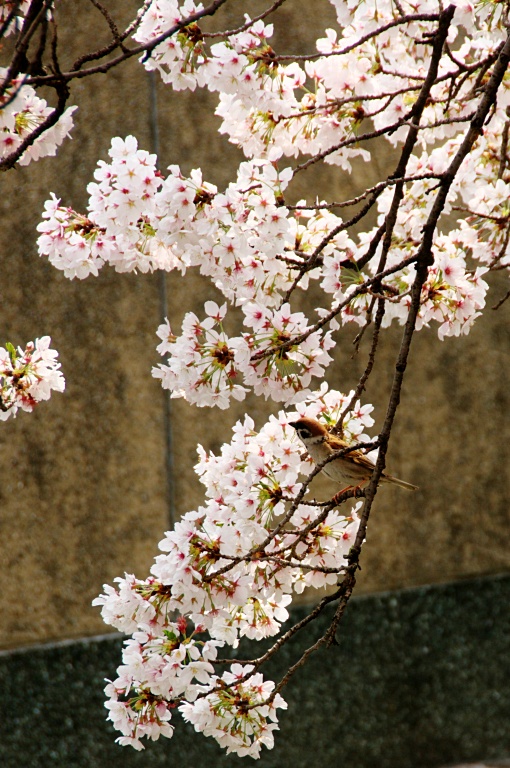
(400, 483)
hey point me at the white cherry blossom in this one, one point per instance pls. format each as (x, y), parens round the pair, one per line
(28, 376)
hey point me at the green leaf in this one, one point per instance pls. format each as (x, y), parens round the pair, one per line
(12, 352)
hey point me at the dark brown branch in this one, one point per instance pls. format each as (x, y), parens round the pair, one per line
(504, 148)
(35, 67)
(424, 255)
(285, 637)
(364, 195)
(111, 23)
(415, 115)
(18, 65)
(117, 41)
(360, 388)
(349, 142)
(502, 301)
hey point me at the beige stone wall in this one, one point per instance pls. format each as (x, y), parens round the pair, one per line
(83, 493)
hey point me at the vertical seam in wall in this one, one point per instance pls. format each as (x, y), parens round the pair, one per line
(163, 311)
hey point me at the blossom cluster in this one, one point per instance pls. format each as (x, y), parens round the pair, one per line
(205, 366)
(372, 68)
(256, 250)
(139, 220)
(228, 569)
(241, 239)
(455, 292)
(28, 376)
(21, 112)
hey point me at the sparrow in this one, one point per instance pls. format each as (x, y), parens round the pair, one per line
(354, 468)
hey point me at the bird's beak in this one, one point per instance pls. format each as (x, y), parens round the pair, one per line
(292, 424)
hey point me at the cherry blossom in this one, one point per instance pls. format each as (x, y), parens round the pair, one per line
(202, 363)
(21, 113)
(211, 574)
(236, 714)
(28, 376)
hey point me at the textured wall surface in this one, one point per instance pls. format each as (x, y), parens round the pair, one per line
(83, 486)
(419, 679)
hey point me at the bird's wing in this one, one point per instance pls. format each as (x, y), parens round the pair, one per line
(357, 457)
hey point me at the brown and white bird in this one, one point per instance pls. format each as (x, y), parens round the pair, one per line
(354, 468)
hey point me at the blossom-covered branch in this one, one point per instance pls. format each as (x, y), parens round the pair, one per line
(221, 570)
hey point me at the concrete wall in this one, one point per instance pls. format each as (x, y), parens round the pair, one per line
(420, 679)
(83, 481)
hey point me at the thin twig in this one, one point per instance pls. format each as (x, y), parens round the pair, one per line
(398, 22)
(360, 388)
(502, 301)
(248, 24)
(355, 200)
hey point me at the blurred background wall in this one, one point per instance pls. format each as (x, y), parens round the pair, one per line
(87, 486)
